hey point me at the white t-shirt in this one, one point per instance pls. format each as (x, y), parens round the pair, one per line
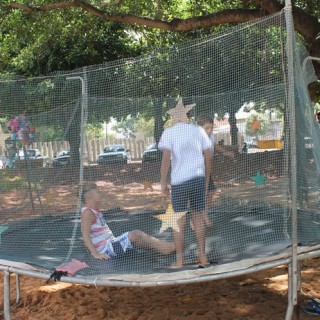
(186, 143)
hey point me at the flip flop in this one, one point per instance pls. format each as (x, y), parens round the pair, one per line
(312, 307)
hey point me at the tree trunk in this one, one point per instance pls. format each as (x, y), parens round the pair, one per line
(73, 132)
(73, 137)
(233, 128)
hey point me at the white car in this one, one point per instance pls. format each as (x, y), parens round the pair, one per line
(62, 159)
(116, 153)
(152, 154)
(32, 154)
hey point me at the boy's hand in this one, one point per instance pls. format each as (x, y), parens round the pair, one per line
(164, 189)
(101, 256)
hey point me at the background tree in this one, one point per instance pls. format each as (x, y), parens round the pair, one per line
(95, 131)
(85, 27)
(172, 16)
(145, 126)
(125, 127)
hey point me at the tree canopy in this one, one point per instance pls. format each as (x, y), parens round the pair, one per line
(48, 16)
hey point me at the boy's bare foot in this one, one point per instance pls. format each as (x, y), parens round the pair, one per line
(203, 261)
(176, 265)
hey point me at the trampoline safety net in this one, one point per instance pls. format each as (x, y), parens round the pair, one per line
(99, 128)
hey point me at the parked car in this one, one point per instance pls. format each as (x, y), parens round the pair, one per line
(61, 159)
(32, 154)
(116, 153)
(152, 154)
(63, 153)
(3, 162)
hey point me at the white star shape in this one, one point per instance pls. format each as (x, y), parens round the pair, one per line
(170, 219)
(179, 112)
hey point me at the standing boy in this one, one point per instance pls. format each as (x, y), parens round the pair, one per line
(188, 149)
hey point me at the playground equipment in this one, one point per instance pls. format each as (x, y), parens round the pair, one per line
(267, 214)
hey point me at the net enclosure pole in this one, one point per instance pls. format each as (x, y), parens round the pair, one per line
(293, 264)
(84, 107)
(6, 295)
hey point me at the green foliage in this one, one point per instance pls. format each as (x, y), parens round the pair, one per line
(37, 44)
(125, 126)
(310, 6)
(131, 126)
(3, 124)
(145, 126)
(95, 131)
(10, 181)
(49, 133)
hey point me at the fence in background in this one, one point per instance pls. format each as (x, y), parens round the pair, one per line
(94, 147)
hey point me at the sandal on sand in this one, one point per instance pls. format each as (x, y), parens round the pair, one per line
(312, 307)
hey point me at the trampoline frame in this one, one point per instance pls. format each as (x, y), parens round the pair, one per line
(309, 252)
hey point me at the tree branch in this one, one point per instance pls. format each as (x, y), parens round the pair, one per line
(270, 6)
(306, 24)
(179, 25)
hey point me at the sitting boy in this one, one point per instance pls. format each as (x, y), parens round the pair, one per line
(101, 242)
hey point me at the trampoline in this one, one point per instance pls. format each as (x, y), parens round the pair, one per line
(262, 232)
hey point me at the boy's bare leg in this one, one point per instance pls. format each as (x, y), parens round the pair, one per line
(199, 229)
(179, 243)
(207, 221)
(144, 240)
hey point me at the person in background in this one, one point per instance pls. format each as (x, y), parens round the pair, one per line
(206, 123)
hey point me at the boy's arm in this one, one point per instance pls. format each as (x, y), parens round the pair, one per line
(208, 166)
(87, 219)
(165, 165)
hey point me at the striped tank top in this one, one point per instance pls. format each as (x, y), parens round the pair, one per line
(100, 232)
